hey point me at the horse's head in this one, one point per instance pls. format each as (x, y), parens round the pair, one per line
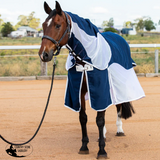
(56, 29)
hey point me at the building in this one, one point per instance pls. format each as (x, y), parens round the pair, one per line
(29, 31)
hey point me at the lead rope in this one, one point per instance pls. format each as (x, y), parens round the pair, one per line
(72, 53)
(54, 65)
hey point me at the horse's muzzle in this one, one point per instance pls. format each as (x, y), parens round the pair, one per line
(46, 57)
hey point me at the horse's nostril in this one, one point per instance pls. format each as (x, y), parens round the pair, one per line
(45, 55)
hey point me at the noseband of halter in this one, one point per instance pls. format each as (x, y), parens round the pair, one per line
(57, 43)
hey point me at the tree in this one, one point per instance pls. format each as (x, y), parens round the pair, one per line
(108, 26)
(1, 22)
(105, 24)
(128, 24)
(33, 22)
(140, 24)
(149, 25)
(30, 21)
(111, 29)
(7, 28)
(144, 22)
(22, 20)
(17, 26)
(109, 23)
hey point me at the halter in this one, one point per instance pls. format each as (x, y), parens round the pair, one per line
(57, 43)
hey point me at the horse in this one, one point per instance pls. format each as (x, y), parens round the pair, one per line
(85, 72)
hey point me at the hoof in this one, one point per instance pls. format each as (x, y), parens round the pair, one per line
(83, 152)
(120, 134)
(103, 156)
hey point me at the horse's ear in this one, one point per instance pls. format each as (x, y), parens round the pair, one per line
(58, 8)
(47, 8)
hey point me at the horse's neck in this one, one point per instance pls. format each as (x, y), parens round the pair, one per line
(69, 18)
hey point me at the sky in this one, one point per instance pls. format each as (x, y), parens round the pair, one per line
(96, 10)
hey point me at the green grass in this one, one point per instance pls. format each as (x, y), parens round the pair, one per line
(137, 39)
(19, 66)
(20, 41)
(30, 65)
(19, 52)
(145, 62)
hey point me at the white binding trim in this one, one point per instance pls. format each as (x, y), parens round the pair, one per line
(80, 90)
(79, 93)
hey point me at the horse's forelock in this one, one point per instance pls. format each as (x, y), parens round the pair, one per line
(53, 13)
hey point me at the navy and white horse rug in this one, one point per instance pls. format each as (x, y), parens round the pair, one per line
(108, 67)
(100, 68)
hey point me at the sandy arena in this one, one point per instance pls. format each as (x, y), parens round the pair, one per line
(22, 104)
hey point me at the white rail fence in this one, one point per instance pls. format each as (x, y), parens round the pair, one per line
(44, 65)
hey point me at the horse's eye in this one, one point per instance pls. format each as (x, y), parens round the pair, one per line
(57, 26)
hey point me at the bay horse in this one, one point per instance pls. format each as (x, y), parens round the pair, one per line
(92, 62)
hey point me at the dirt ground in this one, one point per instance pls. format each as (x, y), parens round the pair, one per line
(22, 104)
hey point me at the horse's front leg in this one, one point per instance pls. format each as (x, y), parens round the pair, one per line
(83, 120)
(100, 120)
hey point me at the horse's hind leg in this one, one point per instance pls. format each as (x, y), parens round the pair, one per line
(125, 111)
(120, 131)
(100, 123)
(83, 121)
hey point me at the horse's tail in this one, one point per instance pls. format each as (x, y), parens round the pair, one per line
(126, 110)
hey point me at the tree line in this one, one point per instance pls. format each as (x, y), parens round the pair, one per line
(140, 24)
(30, 20)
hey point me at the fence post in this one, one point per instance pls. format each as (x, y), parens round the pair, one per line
(156, 61)
(43, 68)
